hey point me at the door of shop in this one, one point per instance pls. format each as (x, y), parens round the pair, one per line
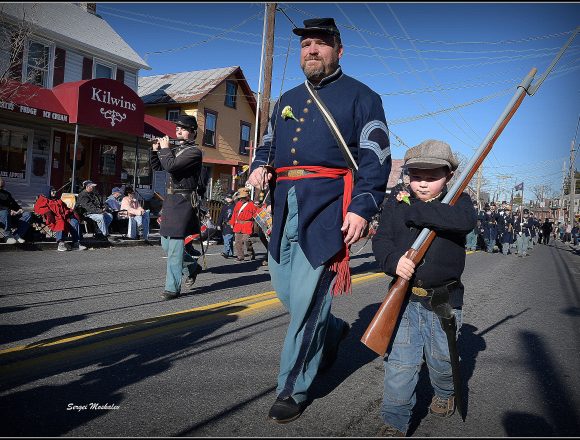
(62, 160)
(107, 158)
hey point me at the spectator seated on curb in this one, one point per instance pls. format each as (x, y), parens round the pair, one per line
(120, 218)
(60, 219)
(89, 205)
(137, 216)
(11, 212)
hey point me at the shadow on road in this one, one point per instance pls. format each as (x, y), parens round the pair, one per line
(107, 362)
(550, 390)
(352, 355)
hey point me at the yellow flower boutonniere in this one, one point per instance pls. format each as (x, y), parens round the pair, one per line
(287, 113)
(403, 196)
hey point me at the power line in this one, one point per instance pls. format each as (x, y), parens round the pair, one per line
(500, 42)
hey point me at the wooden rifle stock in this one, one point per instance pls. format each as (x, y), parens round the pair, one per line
(378, 334)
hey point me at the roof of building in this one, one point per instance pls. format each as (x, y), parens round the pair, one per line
(188, 87)
(69, 23)
(396, 168)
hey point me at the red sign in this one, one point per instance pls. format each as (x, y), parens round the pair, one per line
(103, 103)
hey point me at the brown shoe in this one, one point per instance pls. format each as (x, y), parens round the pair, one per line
(389, 431)
(441, 407)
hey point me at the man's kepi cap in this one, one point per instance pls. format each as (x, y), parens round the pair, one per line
(187, 121)
(317, 25)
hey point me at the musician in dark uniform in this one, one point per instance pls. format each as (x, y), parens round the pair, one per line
(319, 208)
(180, 213)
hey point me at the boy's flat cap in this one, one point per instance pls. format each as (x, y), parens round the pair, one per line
(431, 154)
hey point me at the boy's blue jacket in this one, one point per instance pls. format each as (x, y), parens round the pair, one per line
(444, 261)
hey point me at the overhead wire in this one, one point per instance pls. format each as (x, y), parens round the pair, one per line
(390, 70)
(439, 42)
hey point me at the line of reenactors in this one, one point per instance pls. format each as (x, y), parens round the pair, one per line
(499, 229)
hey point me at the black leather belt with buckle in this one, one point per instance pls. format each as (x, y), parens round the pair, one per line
(294, 173)
(419, 291)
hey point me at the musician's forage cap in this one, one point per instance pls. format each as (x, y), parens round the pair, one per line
(317, 25)
(431, 154)
(187, 121)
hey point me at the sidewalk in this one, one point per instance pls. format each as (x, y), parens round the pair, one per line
(87, 240)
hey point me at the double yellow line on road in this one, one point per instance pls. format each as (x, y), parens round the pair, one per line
(199, 315)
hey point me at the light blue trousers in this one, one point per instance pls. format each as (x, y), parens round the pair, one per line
(522, 244)
(74, 231)
(103, 221)
(305, 292)
(179, 263)
(135, 222)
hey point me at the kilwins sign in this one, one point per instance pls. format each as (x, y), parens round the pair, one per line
(103, 103)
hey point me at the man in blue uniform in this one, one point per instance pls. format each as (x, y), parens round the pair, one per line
(319, 207)
(179, 216)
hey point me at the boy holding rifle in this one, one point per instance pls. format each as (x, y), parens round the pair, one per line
(434, 284)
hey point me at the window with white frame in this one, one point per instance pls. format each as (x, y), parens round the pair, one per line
(102, 69)
(173, 114)
(37, 64)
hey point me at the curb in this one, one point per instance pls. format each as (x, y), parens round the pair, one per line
(89, 242)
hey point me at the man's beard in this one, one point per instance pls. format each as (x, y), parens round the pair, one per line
(318, 72)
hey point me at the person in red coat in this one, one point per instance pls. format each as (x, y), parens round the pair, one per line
(60, 219)
(242, 222)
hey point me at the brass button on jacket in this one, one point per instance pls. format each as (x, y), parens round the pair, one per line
(293, 150)
(295, 162)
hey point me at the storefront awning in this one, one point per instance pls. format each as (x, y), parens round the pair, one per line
(103, 103)
(31, 100)
(157, 127)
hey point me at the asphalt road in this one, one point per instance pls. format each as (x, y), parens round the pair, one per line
(82, 328)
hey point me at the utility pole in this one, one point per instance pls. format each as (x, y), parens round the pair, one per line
(265, 107)
(572, 179)
(561, 201)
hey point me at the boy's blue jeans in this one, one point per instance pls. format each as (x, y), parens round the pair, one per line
(229, 244)
(419, 334)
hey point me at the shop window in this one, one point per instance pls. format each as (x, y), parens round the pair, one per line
(13, 150)
(108, 160)
(245, 129)
(37, 68)
(210, 128)
(231, 93)
(144, 174)
(173, 114)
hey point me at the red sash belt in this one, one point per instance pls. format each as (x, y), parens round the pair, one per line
(340, 262)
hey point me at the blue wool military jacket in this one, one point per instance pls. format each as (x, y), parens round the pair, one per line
(308, 141)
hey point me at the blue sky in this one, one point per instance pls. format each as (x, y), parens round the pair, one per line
(444, 70)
